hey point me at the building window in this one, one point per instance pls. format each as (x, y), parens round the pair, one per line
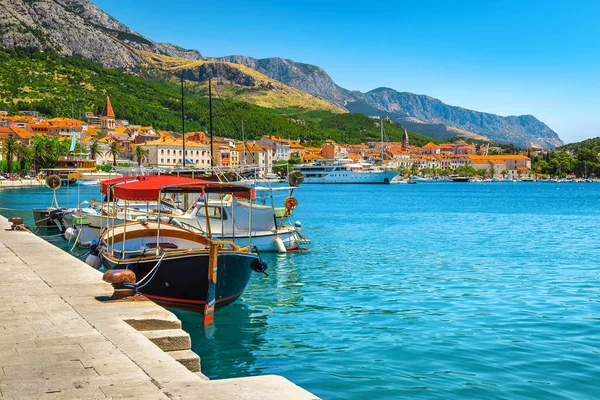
(168, 161)
(162, 160)
(162, 151)
(168, 152)
(179, 152)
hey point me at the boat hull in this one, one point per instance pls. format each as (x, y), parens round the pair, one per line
(265, 241)
(49, 218)
(384, 177)
(181, 281)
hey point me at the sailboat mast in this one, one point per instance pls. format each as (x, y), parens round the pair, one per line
(212, 160)
(382, 141)
(244, 143)
(183, 120)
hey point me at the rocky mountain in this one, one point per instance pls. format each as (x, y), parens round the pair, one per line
(306, 77)
(524, 130)
(79, 28)
(420, 113)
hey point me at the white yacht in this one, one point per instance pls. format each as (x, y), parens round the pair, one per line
(345, 171)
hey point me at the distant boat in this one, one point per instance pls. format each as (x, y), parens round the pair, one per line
(345, 171)
(461, 179)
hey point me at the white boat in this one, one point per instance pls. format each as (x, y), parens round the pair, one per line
(270, 229)
(345, 171)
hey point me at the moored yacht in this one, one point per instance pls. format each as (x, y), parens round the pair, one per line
(345, 171)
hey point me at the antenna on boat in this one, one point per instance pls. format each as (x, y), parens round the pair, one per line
(212, 160)
(182, 119)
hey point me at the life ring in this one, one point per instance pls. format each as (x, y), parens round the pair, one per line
(290, 203)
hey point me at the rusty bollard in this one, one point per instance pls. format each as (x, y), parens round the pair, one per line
(117, 277)
(17, 223)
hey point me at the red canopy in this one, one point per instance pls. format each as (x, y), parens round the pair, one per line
(106, 183)
(147, 188)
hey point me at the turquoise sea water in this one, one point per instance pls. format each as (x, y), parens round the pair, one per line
(441, 290)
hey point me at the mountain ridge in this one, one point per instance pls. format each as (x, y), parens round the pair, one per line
(523, 130)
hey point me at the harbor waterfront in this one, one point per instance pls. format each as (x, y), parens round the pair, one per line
(62, 338)
(475, 290)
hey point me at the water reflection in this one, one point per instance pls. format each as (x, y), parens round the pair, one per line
(228, 348)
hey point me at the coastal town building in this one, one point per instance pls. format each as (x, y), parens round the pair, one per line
(405, 142)
(166, 152)
(514, 165)
(107, 118)
(280, 147)
(64, 127)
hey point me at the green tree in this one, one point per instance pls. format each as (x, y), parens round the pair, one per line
(9, 150)
(115, 151)
(466, 170)
(414, 169)
(94, 149)
(42, 152)
(23, 154)
(140, 154)
(587, 163)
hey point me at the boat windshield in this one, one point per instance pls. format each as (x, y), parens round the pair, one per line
(213, 212)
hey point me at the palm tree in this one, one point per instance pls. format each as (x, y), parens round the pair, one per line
(94, 149)
(140, 154)
(23, 153)
(9, 150)
(42, 152)
(114, 150)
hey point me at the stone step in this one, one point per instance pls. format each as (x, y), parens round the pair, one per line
(170, 339)
(188, 358)
(151, 324)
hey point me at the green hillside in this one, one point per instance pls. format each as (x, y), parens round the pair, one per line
(50, 84)
(590, 144)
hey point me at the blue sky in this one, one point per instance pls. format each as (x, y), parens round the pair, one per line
(504, 57)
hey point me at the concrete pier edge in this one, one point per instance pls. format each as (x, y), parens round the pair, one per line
(59, 340)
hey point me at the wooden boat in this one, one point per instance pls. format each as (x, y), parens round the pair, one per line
(175, 266)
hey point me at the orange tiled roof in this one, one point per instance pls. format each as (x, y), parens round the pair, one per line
(107, 110)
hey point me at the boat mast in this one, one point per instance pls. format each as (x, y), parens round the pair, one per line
(182, 120)
(72, 120)
(381, 120)
(244, 143)
(212, 160)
